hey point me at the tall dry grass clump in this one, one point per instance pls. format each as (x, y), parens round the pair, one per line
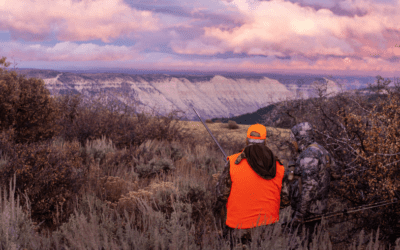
(232, 125)
(17, 230)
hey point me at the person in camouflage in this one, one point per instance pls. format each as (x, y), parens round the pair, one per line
(314, 166)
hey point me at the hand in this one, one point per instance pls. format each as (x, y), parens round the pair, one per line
(291, 167)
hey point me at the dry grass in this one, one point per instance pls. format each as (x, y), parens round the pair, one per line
(165, 211)
(232, 125)
(275, 136)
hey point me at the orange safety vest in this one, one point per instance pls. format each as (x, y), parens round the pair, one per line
(253, 201)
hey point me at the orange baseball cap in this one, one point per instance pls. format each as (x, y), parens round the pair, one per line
(259, 130)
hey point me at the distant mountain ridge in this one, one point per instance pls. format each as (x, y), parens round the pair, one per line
(249, 118)
(212, 95)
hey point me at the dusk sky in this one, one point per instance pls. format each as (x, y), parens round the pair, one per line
(359, 37)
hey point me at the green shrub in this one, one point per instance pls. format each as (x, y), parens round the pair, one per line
(26, 106)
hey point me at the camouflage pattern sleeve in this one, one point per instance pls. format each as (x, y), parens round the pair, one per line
(223, 187)
(223, 190)
(285, 191)
(309, 170)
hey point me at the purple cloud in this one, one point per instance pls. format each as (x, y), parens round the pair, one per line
(229, 34)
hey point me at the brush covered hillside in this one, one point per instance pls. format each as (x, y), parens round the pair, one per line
(78, 174)
(278, 114)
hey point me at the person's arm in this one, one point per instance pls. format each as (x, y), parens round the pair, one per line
(224, 184)
(285, 200)
(223, 189)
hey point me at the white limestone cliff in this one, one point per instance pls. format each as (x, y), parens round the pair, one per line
(219, 97)
(213, 96)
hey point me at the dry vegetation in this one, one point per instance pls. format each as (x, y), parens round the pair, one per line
(233, 140)
(85, 174)
(361, 130)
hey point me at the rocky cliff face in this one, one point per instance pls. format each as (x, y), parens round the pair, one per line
(212, 96)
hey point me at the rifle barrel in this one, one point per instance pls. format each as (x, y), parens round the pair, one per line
(352, 210)
(211, 135)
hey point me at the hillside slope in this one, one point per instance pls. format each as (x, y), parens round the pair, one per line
(211, 95)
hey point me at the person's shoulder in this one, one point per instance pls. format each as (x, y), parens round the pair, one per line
(313, 150)
(309, 157)
(229, 157)
(319, 151)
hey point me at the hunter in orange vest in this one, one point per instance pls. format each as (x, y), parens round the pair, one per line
(250, 184)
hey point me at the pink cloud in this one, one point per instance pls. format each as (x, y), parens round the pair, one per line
(275, 28)
(68, 51)
(123, 57)
(73, 20)
(195, 47)
(287, 27)
(368, 65)
(280, 28)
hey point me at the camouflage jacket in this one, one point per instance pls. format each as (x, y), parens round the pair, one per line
(315, 166)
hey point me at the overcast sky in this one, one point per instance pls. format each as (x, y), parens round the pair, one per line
(306, 36)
